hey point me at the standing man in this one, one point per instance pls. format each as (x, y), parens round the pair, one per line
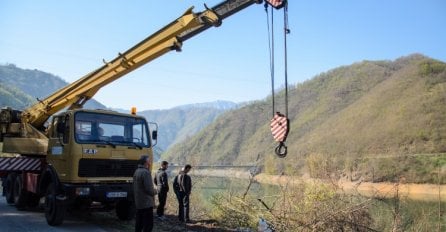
(144, 192)
(163, 187)
(183, 183)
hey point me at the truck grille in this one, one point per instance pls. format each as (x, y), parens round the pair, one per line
(106, 168)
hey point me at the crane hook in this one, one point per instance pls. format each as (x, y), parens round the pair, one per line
(280, 129)
(281, 150)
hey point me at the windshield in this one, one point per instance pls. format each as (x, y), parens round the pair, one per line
(110, 129)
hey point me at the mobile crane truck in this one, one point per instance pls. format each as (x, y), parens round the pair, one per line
(69, 157)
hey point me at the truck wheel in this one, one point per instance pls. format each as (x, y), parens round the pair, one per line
(20, 194)
(33, 200)
(9, 193)
(125, 210)
(54, 210)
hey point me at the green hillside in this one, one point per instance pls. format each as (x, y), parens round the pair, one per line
(339, 120)
(13, 97)
(20, 88)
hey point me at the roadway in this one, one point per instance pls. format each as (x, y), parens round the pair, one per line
(26, 221)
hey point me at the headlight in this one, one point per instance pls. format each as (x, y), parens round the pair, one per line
(83, 191)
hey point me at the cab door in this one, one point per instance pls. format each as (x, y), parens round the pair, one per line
(59, 145)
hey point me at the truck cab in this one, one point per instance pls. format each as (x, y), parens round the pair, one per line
(97, 145)
(91, 157)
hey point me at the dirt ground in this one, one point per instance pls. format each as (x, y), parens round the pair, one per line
(109, 222)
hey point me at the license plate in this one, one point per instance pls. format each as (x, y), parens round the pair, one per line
(116, 194)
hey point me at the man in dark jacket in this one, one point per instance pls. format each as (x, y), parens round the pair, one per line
(183, 186)
(144, 192)
(161, 181)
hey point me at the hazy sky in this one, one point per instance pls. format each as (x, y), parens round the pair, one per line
(70, 38)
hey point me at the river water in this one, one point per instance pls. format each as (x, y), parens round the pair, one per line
(208, 187)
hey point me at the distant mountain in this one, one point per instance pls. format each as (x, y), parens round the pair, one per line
(182, 122)
(219, 105)
(365, 109)
(20, 88)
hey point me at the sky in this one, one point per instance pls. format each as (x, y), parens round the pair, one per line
(71, 38)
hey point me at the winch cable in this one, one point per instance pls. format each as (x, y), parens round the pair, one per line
(271, 54)
(279, 122)
(286, 31)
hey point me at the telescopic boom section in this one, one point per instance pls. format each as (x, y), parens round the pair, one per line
(168, 38)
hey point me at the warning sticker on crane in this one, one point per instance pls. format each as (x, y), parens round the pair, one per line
(20, 164)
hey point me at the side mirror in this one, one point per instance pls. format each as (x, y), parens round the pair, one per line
(154, 129)
(60, 128)
(154, 135)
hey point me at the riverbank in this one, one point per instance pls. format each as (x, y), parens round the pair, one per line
(420, 192)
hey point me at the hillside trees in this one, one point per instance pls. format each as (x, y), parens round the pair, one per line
(344, 117)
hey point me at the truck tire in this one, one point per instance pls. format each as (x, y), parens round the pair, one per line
(125, 210)
(20, 194)
(9, 193)
(54, 209)
(33, 200)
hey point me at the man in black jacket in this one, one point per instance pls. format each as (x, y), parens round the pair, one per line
(183, 186)
(163, 187)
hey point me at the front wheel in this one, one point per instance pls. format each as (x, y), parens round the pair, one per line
(54, 209)
(125, 210)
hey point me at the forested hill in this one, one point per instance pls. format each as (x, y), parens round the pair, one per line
(20, 88)
(368, 108)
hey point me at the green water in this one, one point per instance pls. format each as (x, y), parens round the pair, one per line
(207, 187)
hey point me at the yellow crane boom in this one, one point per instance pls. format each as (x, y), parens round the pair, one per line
(167, 39)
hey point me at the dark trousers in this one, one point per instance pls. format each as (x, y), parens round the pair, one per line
(183, 206)
(162, 197)
(144, 220)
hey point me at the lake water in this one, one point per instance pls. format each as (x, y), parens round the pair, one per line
(205, 188)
